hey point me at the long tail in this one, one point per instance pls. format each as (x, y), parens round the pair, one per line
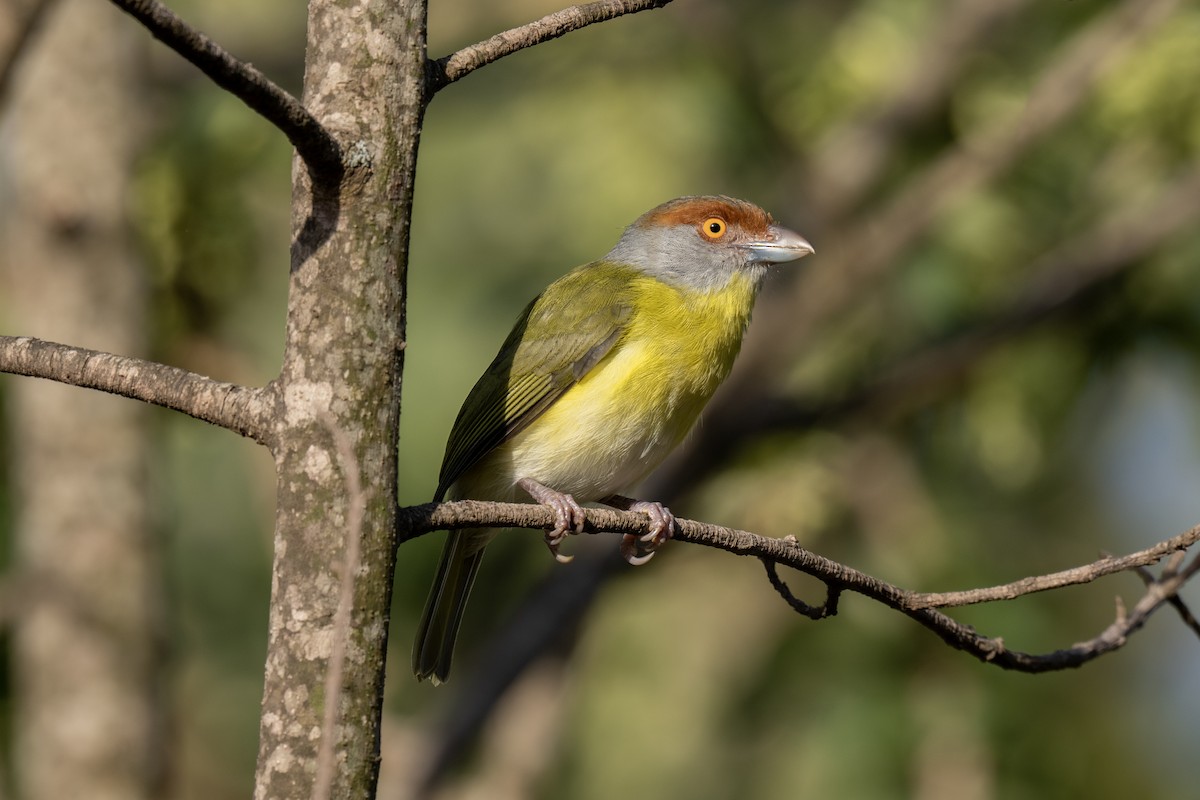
(443, 614)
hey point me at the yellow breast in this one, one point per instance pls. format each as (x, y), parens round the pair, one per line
(606, 433)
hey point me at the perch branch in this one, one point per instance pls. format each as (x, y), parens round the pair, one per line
(448, 69)
(415, 520)
(241, 409)
(316, 146)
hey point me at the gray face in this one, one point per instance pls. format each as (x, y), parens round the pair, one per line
(677, 254)
(681, 255)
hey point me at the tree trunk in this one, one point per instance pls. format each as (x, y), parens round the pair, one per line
(84, 648)
(340, 383)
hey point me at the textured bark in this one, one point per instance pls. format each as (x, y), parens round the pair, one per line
(241, 409)
(341, 381)
(84, 648)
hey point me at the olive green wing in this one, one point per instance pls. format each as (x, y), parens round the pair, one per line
(560, 336)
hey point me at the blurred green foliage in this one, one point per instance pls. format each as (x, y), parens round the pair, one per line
(690, 679)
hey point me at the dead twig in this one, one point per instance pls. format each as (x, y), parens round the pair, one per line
(833, 593)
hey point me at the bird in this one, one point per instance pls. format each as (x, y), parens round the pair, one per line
(603, 374)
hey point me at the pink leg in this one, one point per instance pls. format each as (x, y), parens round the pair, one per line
(662, 528)
(568, 515)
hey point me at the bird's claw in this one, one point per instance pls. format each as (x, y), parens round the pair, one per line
(568, 515)
(554, 540)
(662, 528)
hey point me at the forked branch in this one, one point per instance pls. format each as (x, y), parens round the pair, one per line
(839, 578)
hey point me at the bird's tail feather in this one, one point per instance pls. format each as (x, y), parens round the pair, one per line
(444, 609)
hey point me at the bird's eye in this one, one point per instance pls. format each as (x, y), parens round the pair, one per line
(714, 227)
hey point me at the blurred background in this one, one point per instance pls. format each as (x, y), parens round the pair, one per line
(987, 371)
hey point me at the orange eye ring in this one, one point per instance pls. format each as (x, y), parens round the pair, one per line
(714, 228)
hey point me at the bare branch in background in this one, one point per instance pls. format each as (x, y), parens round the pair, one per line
(850, 158)
(448, 69)
(865, 248)
(241, 409)
(316, 146)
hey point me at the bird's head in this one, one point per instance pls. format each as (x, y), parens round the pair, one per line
(703, 242)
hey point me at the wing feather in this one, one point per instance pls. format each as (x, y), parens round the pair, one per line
(560, 337)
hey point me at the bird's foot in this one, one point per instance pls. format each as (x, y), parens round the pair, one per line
(568, 515)
(662, 528)
(637, 550)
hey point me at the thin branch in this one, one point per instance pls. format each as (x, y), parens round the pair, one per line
(1111, 638)
(316, 146)
(1087, 573)
(241, 409)
(833, 593)
(448, 69)
(415, 520)
(1176, 601)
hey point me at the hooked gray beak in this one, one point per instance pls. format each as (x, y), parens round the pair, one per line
(779, 246)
